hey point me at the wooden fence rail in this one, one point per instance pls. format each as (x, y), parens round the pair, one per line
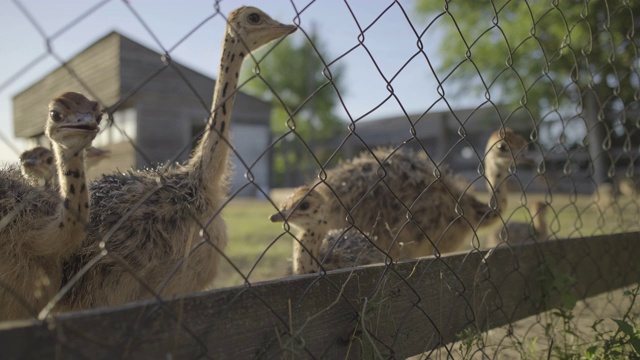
(393, 311)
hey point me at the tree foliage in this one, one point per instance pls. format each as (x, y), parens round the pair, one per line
(544, 54)
(293, 77)
(571, 63)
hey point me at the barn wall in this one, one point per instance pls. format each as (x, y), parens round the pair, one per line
(94, 72)
(169, 100)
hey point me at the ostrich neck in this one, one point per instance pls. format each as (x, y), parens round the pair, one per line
(307, 257)
(209, 160)
(496, 175)
(540, 225)
(73, 212)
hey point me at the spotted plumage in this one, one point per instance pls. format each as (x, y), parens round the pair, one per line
(316, 245)
(40, 228)
(399, 191)
(163, 225)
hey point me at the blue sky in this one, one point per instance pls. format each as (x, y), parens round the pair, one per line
(390, 41)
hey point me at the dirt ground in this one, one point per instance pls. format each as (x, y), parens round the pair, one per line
(530, 339)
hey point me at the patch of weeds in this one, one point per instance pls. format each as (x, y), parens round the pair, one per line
(565, 340)
(469, 339)
(624, 342)
(369, 321)
(527, 348)
(568, 343)
(557, 284)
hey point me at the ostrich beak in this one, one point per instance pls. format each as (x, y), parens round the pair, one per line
(288, 29)
(276, 217)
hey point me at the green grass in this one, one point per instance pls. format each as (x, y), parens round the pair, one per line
(575, 216)
(250, 231)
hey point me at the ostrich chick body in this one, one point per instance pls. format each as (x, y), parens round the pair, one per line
(41, 228)
(423, 207)
(162, 228)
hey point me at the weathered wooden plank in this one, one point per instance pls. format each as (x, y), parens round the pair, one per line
(405, 309)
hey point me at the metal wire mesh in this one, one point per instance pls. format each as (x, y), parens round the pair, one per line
(564, 76)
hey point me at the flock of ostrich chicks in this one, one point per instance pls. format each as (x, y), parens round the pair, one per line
(128, 236)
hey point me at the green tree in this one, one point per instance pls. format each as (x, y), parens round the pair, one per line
(293, 77)
(560, 60)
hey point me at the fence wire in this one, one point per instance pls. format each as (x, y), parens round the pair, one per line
(523, 208)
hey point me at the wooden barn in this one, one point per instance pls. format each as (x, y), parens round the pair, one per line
(161, 107)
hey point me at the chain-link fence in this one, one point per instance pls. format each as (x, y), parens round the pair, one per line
(492, 214)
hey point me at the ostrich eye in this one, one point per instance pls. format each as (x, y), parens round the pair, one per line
(49, 160)
(55, 116)
(502, 146)
(304, 206)
(253, 18)
(99, 118)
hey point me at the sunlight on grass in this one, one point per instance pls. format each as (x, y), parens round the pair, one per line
(250, 233)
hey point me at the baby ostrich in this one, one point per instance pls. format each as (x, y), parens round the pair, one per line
(418, 208)
(39, 229)
(163, 225)
(306, 210)
(520, 232)
(37, 166)
(627, 187)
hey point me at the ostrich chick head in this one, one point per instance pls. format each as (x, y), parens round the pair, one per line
(38, 163)
(304, 208)
(505, 147)
(252, 28)
(73, 121)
